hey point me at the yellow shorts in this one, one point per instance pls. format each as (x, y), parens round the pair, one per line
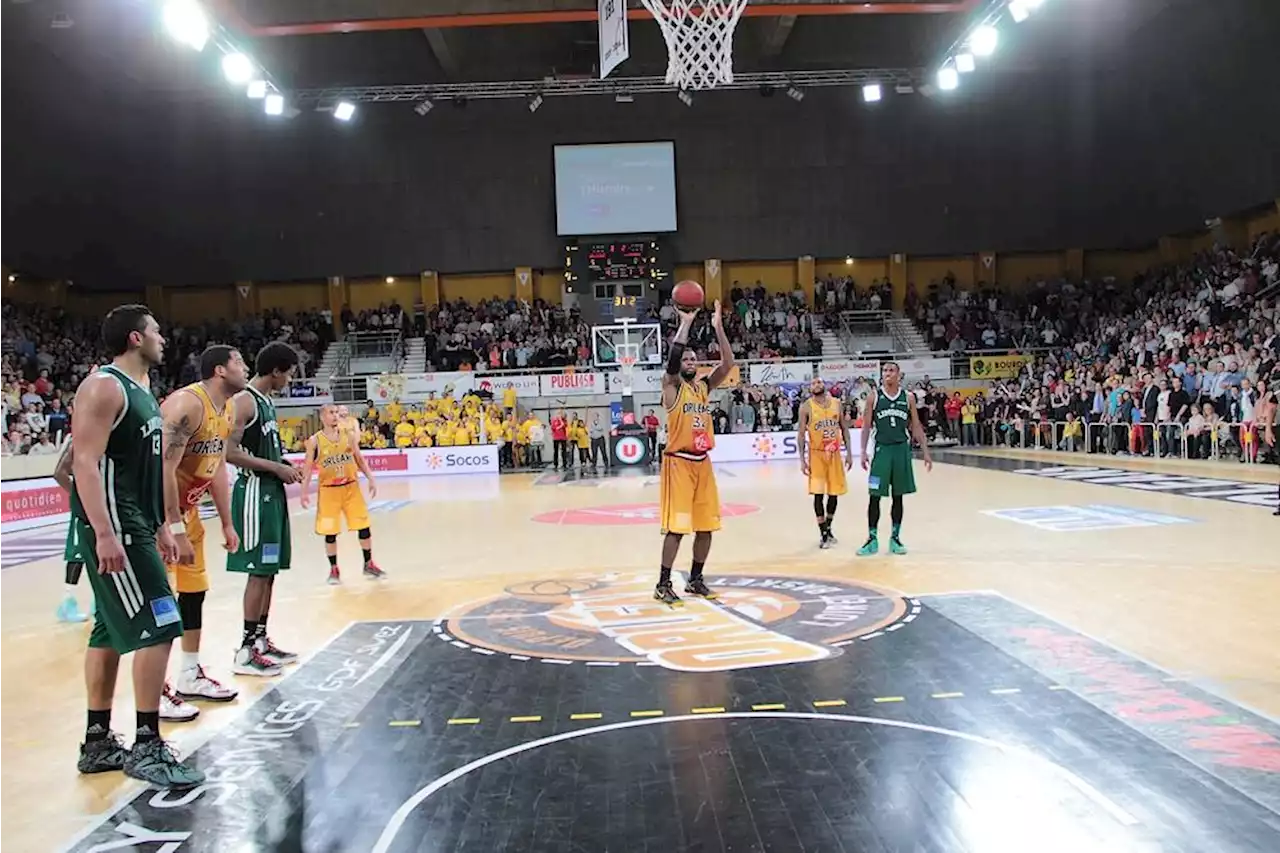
(191, 578)
(689, 501)
(826, 473)
(338, 502)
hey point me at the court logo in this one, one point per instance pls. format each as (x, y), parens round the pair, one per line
(629, 450)
(615, 515)
(612, 619)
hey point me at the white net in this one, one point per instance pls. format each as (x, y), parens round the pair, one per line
(699, 36)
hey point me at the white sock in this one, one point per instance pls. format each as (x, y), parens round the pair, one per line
(71, 590)
(190, 660)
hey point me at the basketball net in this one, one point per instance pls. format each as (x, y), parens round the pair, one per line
(699, 36)
(627, 356)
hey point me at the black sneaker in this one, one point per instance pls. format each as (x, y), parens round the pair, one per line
(156, 762)
(666, 594)
(698, 587)
(102, 756)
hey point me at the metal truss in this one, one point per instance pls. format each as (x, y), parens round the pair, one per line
(554, 88)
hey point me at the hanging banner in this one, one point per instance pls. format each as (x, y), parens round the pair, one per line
(573, 384)
(777, 373)
(997, 366)
(526, 384)
(925, 368)
(415, 387)
(615, 46)
(848, 371)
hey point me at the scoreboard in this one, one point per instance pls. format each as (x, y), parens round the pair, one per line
(618, 261)
(610, 261)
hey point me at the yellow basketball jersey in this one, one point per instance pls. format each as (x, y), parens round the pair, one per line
(335, 459)
(824, 425)
(205, 449)
(689, 428)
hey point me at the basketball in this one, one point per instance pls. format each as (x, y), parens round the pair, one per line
(688, 294)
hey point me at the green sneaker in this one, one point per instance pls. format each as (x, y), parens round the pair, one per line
(156, 762)
(896, 546)
(871, 546)
(102, 756)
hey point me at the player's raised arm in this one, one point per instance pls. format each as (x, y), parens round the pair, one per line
(868, 421)
(62, 471)
(675, 357)
(183, 414)
(917, 430)
(98, 403)
(725, 367)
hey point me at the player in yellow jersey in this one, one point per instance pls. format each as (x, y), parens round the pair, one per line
(348, 422)
(197, 422)
(335, 453)
(820, 434)
(689, 500)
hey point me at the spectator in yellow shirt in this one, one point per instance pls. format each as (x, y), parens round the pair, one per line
(509, 398)
(969, 421)
(462, 435)
(395, 412)
(579, 435)
(379, 441)
(404, 434)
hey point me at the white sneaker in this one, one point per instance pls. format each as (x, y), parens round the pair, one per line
(249, 661)
(194, 684)
(174, 709)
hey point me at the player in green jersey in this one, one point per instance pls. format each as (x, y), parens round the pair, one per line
(891, 412)
(259, 505)
(118, 499)
(69, 610)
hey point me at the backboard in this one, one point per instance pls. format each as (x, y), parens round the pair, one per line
(611, 342)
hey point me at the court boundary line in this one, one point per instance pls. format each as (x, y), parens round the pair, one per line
(401, 815)
(199, 740)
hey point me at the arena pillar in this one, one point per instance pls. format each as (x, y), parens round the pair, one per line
(984, 268)
(339, 298)
(246, 299)
(898, 280)
(713, 280)
(524, 284)
(1074, 266)
(804, 275)
(157, 301)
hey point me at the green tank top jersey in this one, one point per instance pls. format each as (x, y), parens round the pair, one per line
(261, 438)
(131, 468)
(892, 417)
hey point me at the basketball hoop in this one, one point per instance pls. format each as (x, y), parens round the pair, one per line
(627, 363)
(699, 36)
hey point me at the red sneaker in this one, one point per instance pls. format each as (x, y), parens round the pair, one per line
(334, 577)
(372, 572)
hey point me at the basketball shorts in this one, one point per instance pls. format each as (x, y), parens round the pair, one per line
(826, 473)
(260, 513)
(689, 501)
(134, 608)
(891, 472)
(80, 539)
(193, 577)
(335, 503)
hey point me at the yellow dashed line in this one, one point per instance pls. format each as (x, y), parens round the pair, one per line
(776, 707)
(1005, 691)
(880, 699)
(585, 716)
(646, 713)
(829, 703)
(407, 724)
(715, 710)
(532, 719)
(947, 695)
(464, 721)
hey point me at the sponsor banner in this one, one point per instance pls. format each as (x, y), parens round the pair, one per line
(414, 387)
(997, 366)
(764, 446)
(630, 450)
(264, 751)
(573, 384)
(848, 371)
(615, 46)
(925, 368)
(642, 381)
(781, 372)
(526, 384)
(33, 503)
(733, 380)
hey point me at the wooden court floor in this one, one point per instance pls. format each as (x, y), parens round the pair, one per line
(1194, 594)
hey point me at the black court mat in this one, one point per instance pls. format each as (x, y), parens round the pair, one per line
(955, 723)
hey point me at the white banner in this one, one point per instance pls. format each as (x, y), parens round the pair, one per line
(845, 371)
(774, 373)
(573, 384)
(766, 446)
(926, 368)
(642, 381)
(526, 384)
(415, 387)
(614, 44)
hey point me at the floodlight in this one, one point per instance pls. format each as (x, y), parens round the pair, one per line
(274, 104)
(871, 93)
(983, 40)
(237, 68)
(187, 23)
(965, 63)
(948, 79)
(344, 111)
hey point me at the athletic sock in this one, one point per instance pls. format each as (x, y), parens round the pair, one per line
(665, 575)
(262, 628)
(98, 726)
(190, 660)
(825, 528)
(71, 590)
(897, 530)
(696, 573)
(368, 555)
(250, 633)
(148, 726)
(333, 560)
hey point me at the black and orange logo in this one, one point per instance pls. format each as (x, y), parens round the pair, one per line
(758, 620)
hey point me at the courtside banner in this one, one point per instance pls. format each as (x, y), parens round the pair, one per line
(642, 381)
(848, 371)
(778, 373)
(925, 368)
(526, 384)
(414, 387)
(997, 366)
(573, 384)
(33, 503)
(767, 446)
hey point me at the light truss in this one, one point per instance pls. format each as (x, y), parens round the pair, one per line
(554, 87)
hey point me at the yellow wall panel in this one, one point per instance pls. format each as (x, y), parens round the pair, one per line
(197, 304)
(476, 287)
(294, 296)
(776, 276)
(369, 293)
(1122, 265)
(924, 271)
(1017, 270)
(863, 270)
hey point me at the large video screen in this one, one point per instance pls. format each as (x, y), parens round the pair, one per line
(627, 188)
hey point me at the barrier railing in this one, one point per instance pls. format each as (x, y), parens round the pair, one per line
(1241, 441)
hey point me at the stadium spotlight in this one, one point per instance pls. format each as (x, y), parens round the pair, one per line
(424, 106)
(1018, 11)
(391, 279)
(948, 79)
(685, 98)
(795, 93)
(871, 93)
(187, 23)
(344, 110)
(274, 104)
(983, 40)
(535, 101)
(237, 68)
(848, 260)
(257, 89)
(965, 63)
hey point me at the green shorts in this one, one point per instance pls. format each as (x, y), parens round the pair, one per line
(260, 513)
(891, 472)
(79, 540)
(135, 608)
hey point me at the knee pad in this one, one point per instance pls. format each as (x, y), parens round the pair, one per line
(191, 608)
(331, 540)
(364, 534)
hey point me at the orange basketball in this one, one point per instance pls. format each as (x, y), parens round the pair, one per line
(688, 294)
